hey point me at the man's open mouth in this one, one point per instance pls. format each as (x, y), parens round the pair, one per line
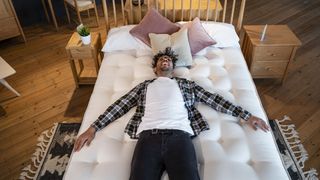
(165, 64)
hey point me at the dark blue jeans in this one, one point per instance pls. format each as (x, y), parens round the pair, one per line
(159, 150)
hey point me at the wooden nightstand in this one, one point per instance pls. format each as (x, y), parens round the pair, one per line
(79, 52)
(269, 58)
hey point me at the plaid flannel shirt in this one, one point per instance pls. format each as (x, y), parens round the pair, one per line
(192, 93)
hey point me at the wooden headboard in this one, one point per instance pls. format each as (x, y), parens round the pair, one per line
(124, 12)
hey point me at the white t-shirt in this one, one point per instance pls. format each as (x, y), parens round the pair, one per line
(165, 107)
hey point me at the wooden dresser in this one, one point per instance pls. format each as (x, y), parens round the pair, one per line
(9, 22)
(269, 58)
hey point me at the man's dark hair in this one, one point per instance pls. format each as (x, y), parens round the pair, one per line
(167, 52)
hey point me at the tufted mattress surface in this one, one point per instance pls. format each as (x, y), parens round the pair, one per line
(227, 151)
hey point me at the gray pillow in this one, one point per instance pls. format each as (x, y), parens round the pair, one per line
(177, 41)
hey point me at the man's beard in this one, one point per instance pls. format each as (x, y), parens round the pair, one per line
(166, 68)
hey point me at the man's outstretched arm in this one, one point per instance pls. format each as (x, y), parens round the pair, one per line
(220, 104)
(113, 112)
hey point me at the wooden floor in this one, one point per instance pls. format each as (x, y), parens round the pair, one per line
(49, 95)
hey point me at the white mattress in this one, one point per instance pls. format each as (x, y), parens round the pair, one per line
(227, 151)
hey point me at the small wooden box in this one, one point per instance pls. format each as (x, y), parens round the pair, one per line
(79, 52)
(269, 58)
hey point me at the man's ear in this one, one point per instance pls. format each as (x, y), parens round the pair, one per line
(155, 70)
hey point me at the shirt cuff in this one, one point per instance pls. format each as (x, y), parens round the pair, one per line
(245, 115)
(96, 127)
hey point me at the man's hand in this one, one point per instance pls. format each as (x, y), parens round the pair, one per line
(85, 137)
(256, 123)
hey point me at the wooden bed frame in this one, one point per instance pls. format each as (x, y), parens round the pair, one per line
(185, 12)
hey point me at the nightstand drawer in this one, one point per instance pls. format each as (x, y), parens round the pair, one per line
(268, 68)
(272, 53)
(81, 53)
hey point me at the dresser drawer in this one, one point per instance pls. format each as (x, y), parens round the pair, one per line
(268, 68)
(272, 53)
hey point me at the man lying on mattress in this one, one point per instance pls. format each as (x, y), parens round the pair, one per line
(165, 120)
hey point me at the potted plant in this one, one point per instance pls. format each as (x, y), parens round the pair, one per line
(84, 33)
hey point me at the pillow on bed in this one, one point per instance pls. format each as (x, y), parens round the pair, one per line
(177, 41)
(223, 34)
(119, 39)
(198, 37)
(153, 22)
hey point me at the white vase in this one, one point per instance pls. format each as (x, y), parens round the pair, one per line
(86, 39)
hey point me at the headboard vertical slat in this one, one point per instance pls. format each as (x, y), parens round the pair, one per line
(190, 10)
(122, 10)
(216, 11)
(207, 12)
(140, 14)
(241, 13)
(157, 5)
(174, 11)
(224, 10)
(199, 2)
(131, 11)
(182, 10)
(105, 12)
(165, 8)
(114, 13)
(232, 11)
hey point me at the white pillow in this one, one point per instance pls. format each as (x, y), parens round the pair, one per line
(119, 39)
(177, 41)
(223, 33)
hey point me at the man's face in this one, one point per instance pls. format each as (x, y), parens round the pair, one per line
(164, 64)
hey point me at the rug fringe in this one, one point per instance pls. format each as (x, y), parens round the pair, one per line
(44, 141)
(311, 174)
(291, 137)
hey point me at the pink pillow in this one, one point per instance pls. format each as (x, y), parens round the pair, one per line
(198, 37)
(153, 22)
